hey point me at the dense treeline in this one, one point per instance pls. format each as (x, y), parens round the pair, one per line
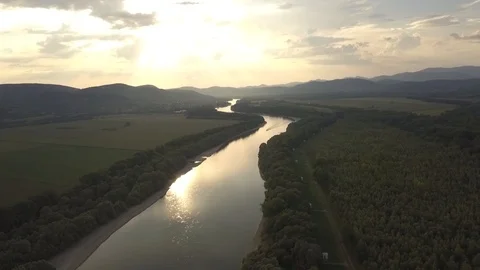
(277, 108)
(452, 101)
(288, 239)
(43, 120)
(460, 127)
(43, 226)
(405, 203)
(209, 112)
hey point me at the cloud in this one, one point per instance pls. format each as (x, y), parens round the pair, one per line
(285, 6)
(316, 40)
(471, 4)
(323, 50)
(218, 56)
(380, 17)
(402, 42)
(473, 37)
(356, 6)
(344, 59)
(16, 60)
(110, 11)
(188, 3)
(130, 51)
(444, 20)
(339, 54)
(57, 47)
(58, 42)
(65, 76)
(123, 19)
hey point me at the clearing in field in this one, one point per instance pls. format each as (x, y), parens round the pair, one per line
(389, 104)
(34, 159)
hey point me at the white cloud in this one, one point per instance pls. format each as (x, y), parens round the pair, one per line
(110, 11)
(444, 20)
(402, 43)
(472, 37)
(471, 4)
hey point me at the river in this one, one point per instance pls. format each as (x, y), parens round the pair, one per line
(207, 220)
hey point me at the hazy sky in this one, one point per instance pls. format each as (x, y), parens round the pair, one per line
(230, 42)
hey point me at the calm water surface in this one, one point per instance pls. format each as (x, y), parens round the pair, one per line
(207, 220)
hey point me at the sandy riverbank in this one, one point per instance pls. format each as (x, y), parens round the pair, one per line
(73, 257)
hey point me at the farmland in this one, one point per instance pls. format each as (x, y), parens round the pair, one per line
(390, 104)
(52, 157)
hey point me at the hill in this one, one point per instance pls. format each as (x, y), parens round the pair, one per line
(455, 73)
(258, 90)
(45, 100)
(358, 87)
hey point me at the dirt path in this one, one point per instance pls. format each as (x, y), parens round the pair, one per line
(306, 171)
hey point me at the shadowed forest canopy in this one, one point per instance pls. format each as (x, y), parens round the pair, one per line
(405, 203)
(289, 238)
(405, 188)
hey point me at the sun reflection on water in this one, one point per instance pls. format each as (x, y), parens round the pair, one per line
(180, 207)
(181, 186)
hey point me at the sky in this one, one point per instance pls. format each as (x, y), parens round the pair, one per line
(169, 44)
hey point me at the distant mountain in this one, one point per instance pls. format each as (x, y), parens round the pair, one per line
(26, 100)
(455, 73)
(227, 92)
(314, 86)
(148, 94)
(357, 87)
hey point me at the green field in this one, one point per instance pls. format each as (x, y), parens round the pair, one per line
(52, 157)
(391, 104)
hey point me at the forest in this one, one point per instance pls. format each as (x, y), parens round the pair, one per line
(459, 127)
(278, 108)
(289, 239)
(405, 188)
(404, 202)
(35, 230)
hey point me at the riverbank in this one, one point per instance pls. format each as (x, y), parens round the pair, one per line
(257, 239)
(73, 257)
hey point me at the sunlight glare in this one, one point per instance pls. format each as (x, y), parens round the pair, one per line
(180, 187)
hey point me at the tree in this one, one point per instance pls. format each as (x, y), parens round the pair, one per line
(37, 265)
(21, 246)
(476, 260)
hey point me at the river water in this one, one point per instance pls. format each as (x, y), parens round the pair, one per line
(207, 220)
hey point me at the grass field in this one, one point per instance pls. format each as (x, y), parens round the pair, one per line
(391, 104)
(52, 157)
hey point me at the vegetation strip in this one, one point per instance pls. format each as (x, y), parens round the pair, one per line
(289, 239)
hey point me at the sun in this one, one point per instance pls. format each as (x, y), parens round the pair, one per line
(191, 36)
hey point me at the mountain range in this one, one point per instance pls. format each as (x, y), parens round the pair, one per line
(26, 100)
(21, 101)
(422, 81)
(454, 73)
